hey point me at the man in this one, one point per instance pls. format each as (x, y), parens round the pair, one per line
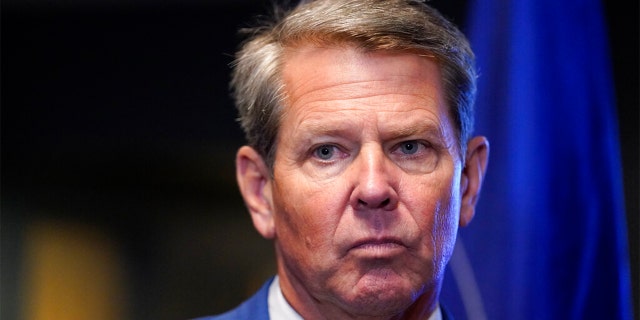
(360, 164)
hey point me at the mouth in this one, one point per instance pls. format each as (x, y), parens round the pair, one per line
(378, 247)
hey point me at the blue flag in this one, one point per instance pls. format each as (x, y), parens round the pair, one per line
(548, 240)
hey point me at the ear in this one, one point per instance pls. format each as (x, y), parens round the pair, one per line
(254, 181)
(473, 172)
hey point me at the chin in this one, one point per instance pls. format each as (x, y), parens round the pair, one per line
(385, 305)
(382, 294)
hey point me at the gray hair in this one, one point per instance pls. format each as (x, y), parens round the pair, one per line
(398, 25)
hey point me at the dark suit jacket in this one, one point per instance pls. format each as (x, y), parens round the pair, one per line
(256, 308)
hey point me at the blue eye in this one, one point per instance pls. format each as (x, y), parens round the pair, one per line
(325, 152)
(409, 147)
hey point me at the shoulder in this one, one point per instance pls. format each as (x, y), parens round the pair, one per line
(255, 307)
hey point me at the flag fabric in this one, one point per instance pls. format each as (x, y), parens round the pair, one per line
(549, 237)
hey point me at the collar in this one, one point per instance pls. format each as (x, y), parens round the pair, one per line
(279, 308)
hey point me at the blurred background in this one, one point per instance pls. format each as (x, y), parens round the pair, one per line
(118, 197)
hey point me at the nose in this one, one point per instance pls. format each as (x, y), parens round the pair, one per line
(375, 182)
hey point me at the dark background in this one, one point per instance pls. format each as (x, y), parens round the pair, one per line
(116, 114)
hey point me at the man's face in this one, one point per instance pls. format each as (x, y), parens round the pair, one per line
(365, 195)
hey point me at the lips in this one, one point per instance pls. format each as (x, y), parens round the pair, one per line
(377, 241)
(378, 247)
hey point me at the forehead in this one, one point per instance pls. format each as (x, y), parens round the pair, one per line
(307, 66)
(346, 79)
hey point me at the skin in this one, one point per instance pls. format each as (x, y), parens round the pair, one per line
(368, 187)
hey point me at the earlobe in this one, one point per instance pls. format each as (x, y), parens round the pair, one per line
(472, 176)
(254, 182)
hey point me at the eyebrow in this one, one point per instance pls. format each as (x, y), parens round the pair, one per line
(344, 128)
(314, 128)
(418, 127)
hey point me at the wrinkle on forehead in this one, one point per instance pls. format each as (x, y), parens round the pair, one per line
(350, 79)
(316, 123)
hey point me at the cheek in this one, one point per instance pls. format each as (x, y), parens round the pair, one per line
(445, 228)
(446, 220)
(435, 206)
(307, 217)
